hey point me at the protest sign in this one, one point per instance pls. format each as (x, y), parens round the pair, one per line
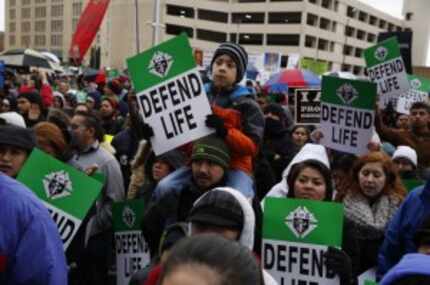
(347, 114)
(316, 66)
(386, 68)
(132, 251)
(66, 192)
(368, 277)
(296, 234)
(171, 95)
(405, 44)
(272, 62)
(419, 91)
(307, 106)
(113, 73)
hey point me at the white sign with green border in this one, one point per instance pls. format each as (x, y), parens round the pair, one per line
(386, 68)
(296, 234)
(132, 252)
(419, 92)
(347, 114)
(171, 94)
(66, 192)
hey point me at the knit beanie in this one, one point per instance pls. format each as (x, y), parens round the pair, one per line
(17, 136)
(407, 152)
(218, 208)
(211, 148)
(53, 134)
(237, 54)
(33, 97)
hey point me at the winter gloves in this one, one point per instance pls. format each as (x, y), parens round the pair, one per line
(217, 123)
(340, 263)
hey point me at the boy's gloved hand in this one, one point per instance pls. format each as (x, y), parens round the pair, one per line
(217, 123)
(340, 263)
(147, 131)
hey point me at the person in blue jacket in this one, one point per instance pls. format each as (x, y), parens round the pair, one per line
(31, 251)
(399, 236)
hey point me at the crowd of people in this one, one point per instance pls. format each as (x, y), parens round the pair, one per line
(203, 201)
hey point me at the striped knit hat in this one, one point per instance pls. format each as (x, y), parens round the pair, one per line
(238, 55)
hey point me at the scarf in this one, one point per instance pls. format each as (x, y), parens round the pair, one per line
(371, 220)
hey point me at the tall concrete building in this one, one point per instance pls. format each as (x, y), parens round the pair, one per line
(42, 24)
(416, 16)
(336, 31)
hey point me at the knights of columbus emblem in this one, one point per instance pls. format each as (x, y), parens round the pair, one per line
(57, 184)
(301, 222)
(160, 64)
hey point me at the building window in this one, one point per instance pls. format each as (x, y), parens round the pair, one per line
(25, 13)
(26, 2)
(286, 0)
(25, 27)
(283, 39)
(358, 52)
(312, 20)
(12, 40)
(211, 36)
(349, 31)
(251, 39)
(361, 35)
(336, 7)
(347, 50)
(350, 12)
(25, 41)
(56, 40)
(57, 26)
(362, 16)
(40, 1)
(57, 11)
(213, 16)
(332, 45)
(390, 27)
(40, 12)
(40, 26)
(371, 37)
(77, 9)
(324, 24)
(74, 24)
(323, 44)
(326, 4)
(372, 20)
(12, 3)
(180, 11)
(312, 1)
(357, 70)
(176, 30)
(57, 1)
(12, 27)
(285, 18)
(382, 24)
(12, 14)
(248, 18)
(310, 41)
(346, 67)
(40, 40)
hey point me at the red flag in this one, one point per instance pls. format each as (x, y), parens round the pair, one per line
(86, 30)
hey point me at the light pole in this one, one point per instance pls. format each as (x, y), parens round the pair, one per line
(156, 23)
(136, 8)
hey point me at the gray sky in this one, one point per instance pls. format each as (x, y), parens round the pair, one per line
(393, 7)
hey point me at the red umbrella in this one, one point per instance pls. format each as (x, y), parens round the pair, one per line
(294, 78)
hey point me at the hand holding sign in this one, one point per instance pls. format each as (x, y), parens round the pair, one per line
(339, 262)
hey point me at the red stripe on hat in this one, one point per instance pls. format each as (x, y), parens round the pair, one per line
(2, 263)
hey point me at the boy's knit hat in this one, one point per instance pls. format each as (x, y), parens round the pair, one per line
(211, 148)
(237, 54)
(17, 136)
